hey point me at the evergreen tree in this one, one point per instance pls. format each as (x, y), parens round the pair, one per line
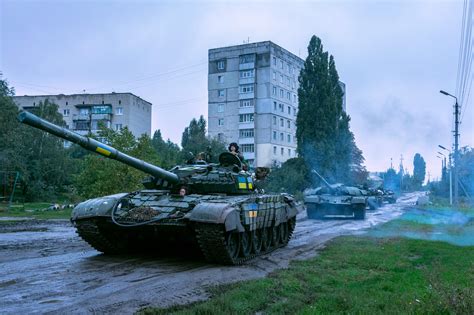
(167, 151)
(324, 138)
(419, 170)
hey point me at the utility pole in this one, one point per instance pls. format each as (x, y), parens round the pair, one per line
(400, 171)
(456, 153)
(456, 147)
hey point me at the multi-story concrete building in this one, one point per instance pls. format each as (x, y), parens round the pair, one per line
(83, 112)
(253, 100)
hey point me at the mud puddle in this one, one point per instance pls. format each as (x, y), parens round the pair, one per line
(46, 268)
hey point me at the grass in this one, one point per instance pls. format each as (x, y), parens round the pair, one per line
(36, 210)
(357, 275)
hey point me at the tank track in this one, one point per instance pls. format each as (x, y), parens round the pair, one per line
(90, 232)
(211, 240)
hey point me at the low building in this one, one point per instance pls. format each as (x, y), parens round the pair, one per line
(84, 112)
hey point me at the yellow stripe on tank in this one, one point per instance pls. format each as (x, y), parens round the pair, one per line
(242, 185)
(103, 151)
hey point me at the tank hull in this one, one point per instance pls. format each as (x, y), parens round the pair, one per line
(323, 206)
(223, 229)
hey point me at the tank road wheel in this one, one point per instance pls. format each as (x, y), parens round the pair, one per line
(284, 235)
(232, 240)
(275, 235)
(291, 226)
(245, 244)
(266, 238)
(257, 240)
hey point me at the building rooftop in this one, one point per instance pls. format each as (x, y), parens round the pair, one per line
(84, 95)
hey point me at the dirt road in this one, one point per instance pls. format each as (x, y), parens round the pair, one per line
(46, 268)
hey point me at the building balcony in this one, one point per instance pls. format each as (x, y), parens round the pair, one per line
(246, 140)
(246, 110)
(246, 80)
(102, 116)
(243, 96)
(81, 117)
(247, 66)
(249, 155)
(246, 125)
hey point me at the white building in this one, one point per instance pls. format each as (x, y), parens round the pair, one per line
(253, 100)
(83, 112)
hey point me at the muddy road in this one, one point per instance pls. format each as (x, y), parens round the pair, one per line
(46, 268)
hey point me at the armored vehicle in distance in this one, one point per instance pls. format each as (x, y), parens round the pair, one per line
(335, 200)
(221, 213)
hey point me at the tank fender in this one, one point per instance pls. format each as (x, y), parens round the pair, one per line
(96, 207)
(218, 213)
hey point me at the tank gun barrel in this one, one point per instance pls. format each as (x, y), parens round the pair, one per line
(96, 146)
(323, 180)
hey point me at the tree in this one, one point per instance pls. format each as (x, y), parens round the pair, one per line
(324, 137)
(43, 162)
(419, 170)
(103, 176)
(167, 151)
(195, 141)
(292, 177)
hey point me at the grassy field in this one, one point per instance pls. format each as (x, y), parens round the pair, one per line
(37, 210)
(358, 275)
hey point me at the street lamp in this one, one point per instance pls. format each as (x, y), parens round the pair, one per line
(456, 146)
(450, 174)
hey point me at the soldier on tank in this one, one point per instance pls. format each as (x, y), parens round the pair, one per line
(234, 149)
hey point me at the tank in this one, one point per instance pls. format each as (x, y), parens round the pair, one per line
(222, 214)
(335, 200)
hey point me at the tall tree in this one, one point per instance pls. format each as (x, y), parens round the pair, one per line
(419, 170)
(324, 137)
(195, 141)
(167, 151)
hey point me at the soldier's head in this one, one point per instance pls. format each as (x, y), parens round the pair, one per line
(233, 147)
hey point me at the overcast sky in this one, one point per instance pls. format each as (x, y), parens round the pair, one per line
(394, 57)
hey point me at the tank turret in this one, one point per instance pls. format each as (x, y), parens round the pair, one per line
(226, 177)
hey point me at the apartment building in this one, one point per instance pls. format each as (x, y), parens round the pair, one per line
(83, 112)
(253, 100)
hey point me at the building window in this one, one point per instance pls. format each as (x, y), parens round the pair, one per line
(281, 78)
(250, 162)
(220, 122)
(246, 103)
(220, 79)
(281, 136)
(274, 120)
(281, 64)
(247, 148)
(291, 69)
(274, 106)
(282, 93)
(245, 118)
(274, 150)
(294, 98)
(119, 111)
(282, 124)
(84, 111)
(66, 112)
(288, 138)
(289, 110)
(120, 102)
(289, 152)
(274, 135)
(220, 93)
(220, 137)
(288, 123)
(274, 90)
(247, 74)
(294, 111)
(288, 96)
(220, 108)
(247, 58)
(67, 104)
(220, 65)
(247, 88)
(282, 151)
(118, 127)
(274, 75)
(280, 106)
(246, 133)
(274, 61)
(288, 81)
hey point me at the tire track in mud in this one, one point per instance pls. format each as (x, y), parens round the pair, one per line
(53, 271)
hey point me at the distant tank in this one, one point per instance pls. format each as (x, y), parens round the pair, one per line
(389, 196)
(220, 212)
(335, 200)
